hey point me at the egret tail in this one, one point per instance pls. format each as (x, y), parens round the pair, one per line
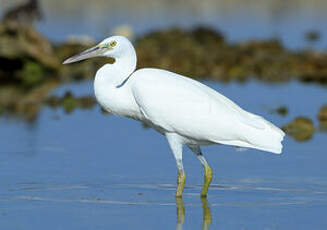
(267, 137)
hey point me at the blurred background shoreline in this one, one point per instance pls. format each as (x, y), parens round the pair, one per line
(238, 20)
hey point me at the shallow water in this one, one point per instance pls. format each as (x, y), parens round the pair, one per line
(87, 170)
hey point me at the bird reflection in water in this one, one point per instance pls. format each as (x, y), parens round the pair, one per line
(206, 222)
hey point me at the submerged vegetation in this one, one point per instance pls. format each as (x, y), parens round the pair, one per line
(301, 129)
(322, 117)
(281, 110)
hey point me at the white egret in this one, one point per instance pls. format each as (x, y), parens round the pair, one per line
(184, 110)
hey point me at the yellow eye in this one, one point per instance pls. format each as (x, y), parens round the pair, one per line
(113, 43)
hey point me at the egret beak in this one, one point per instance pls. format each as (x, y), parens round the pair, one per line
(89, 53)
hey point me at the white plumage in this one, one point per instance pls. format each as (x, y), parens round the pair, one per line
(184, 110)
(196, 112)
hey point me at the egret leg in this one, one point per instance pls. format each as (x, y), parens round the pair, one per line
(180, 213)
(180, 183)
(176, 146)
(207, 170)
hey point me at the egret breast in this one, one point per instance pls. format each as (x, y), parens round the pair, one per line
(116, 100)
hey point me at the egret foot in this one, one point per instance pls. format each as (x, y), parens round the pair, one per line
(207, 180)
(180, 183)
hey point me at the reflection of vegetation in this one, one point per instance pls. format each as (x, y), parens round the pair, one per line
(301, 129)
(69, 102)
(24, 103)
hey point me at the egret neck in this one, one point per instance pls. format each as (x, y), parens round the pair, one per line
(122, 68)
(110, 81)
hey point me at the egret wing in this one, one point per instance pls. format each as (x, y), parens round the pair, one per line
(174, 103)
(187, 107)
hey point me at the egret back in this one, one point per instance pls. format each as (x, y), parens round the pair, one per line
(179, 104)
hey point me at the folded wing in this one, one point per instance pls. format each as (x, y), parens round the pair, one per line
(184, 106)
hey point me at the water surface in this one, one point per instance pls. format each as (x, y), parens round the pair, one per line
(87, 170)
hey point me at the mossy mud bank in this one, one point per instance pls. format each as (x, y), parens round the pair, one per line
(28, 59)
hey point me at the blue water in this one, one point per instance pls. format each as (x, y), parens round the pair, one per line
(87, 170)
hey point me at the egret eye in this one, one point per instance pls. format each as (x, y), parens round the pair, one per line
(113, 43)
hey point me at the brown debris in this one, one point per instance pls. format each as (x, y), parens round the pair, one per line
(322, 118)
(301, 129)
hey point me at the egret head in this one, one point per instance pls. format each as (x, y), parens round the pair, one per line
(114, 47)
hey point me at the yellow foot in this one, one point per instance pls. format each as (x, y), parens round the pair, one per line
(180, 183)
(207, 180)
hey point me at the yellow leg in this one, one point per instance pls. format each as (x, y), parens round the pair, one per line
(207, 180)
(207, 170)
(180, 183)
